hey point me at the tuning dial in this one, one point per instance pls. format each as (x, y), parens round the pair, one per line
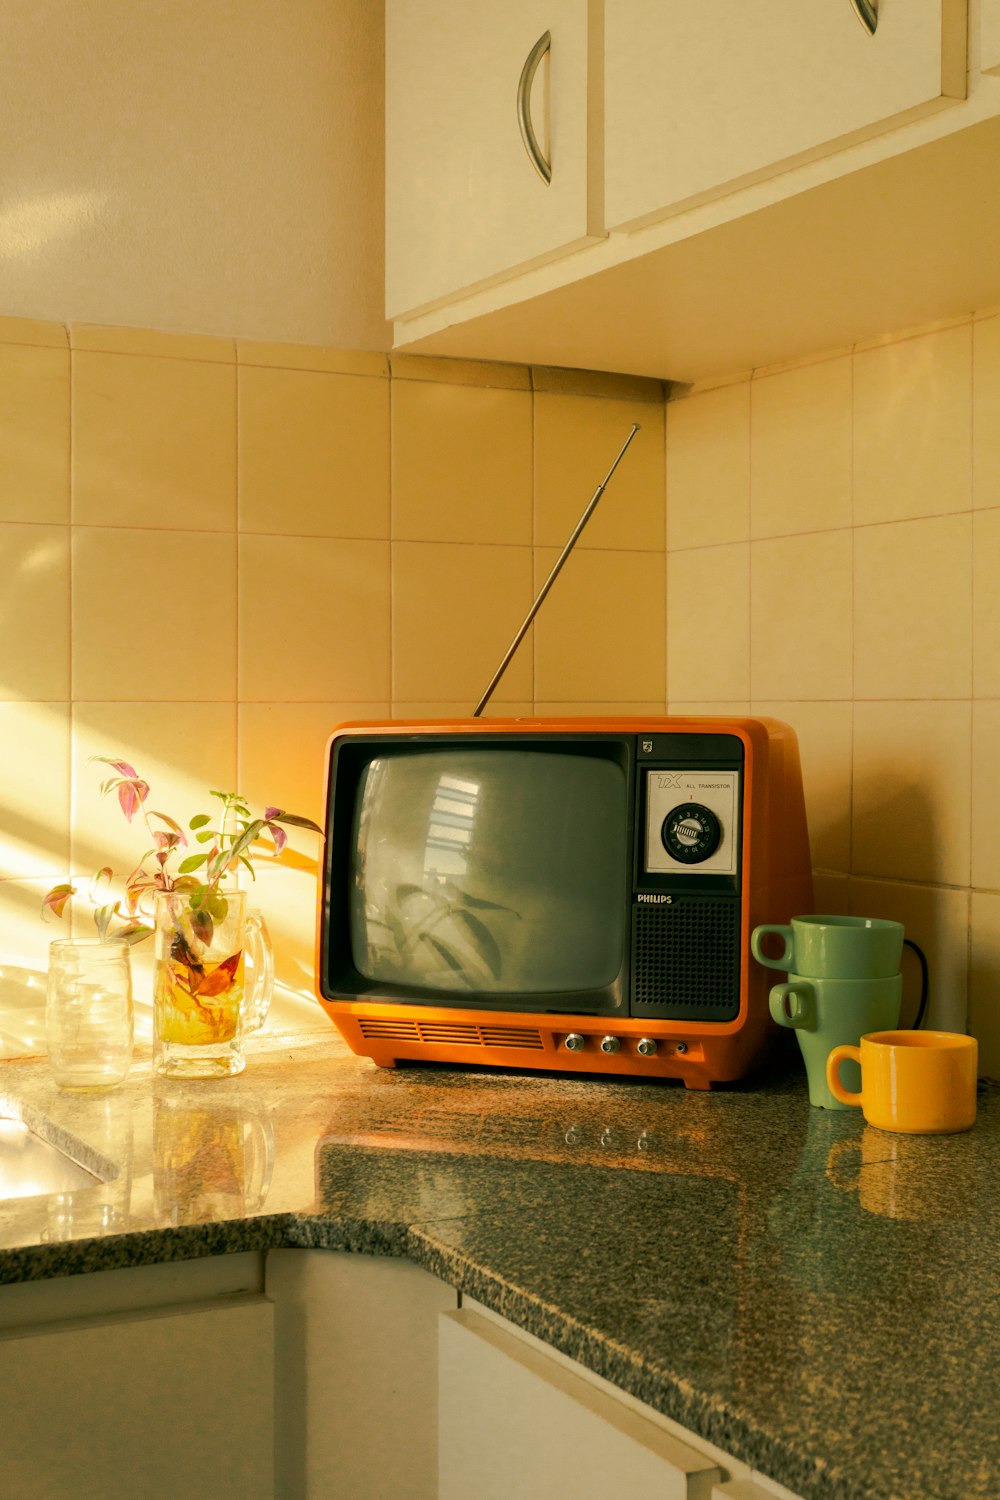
(646, 1047)
(574, 1042)
(691, 833)
(610, 1044)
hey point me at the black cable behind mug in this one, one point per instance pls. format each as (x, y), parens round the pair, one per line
(909, 943)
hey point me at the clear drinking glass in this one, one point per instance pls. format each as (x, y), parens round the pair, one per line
(202, 1005)
(88, 1013)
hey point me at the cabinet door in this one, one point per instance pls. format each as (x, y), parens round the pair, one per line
(704, 98)
(464, 204)
(989, 36)
(512, 1421)
(163, 1405)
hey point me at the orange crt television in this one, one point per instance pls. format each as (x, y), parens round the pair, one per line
(571, 894)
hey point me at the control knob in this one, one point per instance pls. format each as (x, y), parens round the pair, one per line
(691, 832)
(574, 1042)
(646, 1047)
(610, 1044)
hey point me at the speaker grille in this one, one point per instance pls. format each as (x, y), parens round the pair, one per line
(686, 960)
(456, 1034)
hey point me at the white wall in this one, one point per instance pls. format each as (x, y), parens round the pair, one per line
(209, 166)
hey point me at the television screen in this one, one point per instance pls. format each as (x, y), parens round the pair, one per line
(490, 870)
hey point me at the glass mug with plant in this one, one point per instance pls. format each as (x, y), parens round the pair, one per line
(201, 926)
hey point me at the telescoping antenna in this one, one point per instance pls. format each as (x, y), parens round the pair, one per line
(557, 569)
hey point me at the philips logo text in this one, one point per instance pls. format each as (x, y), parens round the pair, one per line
(650, 899)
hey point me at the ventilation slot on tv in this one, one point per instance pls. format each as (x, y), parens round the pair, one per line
(441, 1032)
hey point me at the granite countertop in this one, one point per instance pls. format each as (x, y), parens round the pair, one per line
(819, 1299)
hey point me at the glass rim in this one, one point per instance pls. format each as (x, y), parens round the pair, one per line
(91, 944)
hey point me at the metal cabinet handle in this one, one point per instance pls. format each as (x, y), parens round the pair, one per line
(527, 78)
(867, 13)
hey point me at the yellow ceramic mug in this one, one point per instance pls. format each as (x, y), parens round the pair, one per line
(916, 1082)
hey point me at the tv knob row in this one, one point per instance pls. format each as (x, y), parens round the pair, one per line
(576, 1042)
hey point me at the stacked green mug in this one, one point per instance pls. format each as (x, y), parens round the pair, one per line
(843, 981)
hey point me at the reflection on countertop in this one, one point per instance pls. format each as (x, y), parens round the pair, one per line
(818, 1298)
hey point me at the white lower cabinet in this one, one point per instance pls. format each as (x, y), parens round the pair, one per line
(356, 1395)
(316, 1375)
(513, 1422)
(155, 1382)
(519, 1421)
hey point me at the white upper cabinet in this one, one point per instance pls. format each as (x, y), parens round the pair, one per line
(703, 98)
(465, 202)
(989, 36)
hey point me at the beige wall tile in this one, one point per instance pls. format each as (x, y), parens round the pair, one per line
(154, 442)
(96, 338)
(311, 357)
(601, 709)
(912, 427)
(503, 709)
(708, 467)
(912, 614)
(34, 434)
(937, 920)
(599, 635)
(800, 449)
(183, 750)
(984, 981)
(986, 603)
(912, 791)
(313, 620)
(986, 412)
(313, 453)
(34, 331)
(34, 612)
(461, 463)
(456, 609)
(831, 893)
(576, 441)
(825, 735)
(34, 802)
(713, 710)
(154, 615)
(986, 794)
(282, 749)
(708, 624)
(24, 960)
(800, 616)
(288, 898)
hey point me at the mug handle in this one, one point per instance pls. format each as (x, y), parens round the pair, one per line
(833, 1062)
(261, 954)
(786, 935)
(802, 1012)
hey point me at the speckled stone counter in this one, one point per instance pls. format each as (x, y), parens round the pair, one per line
(819, 1299)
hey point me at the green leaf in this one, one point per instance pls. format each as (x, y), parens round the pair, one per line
(244, 861)
(192, 862)
(296, 822)
(199, 820)
(102, 919)
(206, 837)
(202, 926)
(55, 900)
(216, 905)
(135, 934)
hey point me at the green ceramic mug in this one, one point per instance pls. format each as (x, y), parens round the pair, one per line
(828, 1013)
(824, 947)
